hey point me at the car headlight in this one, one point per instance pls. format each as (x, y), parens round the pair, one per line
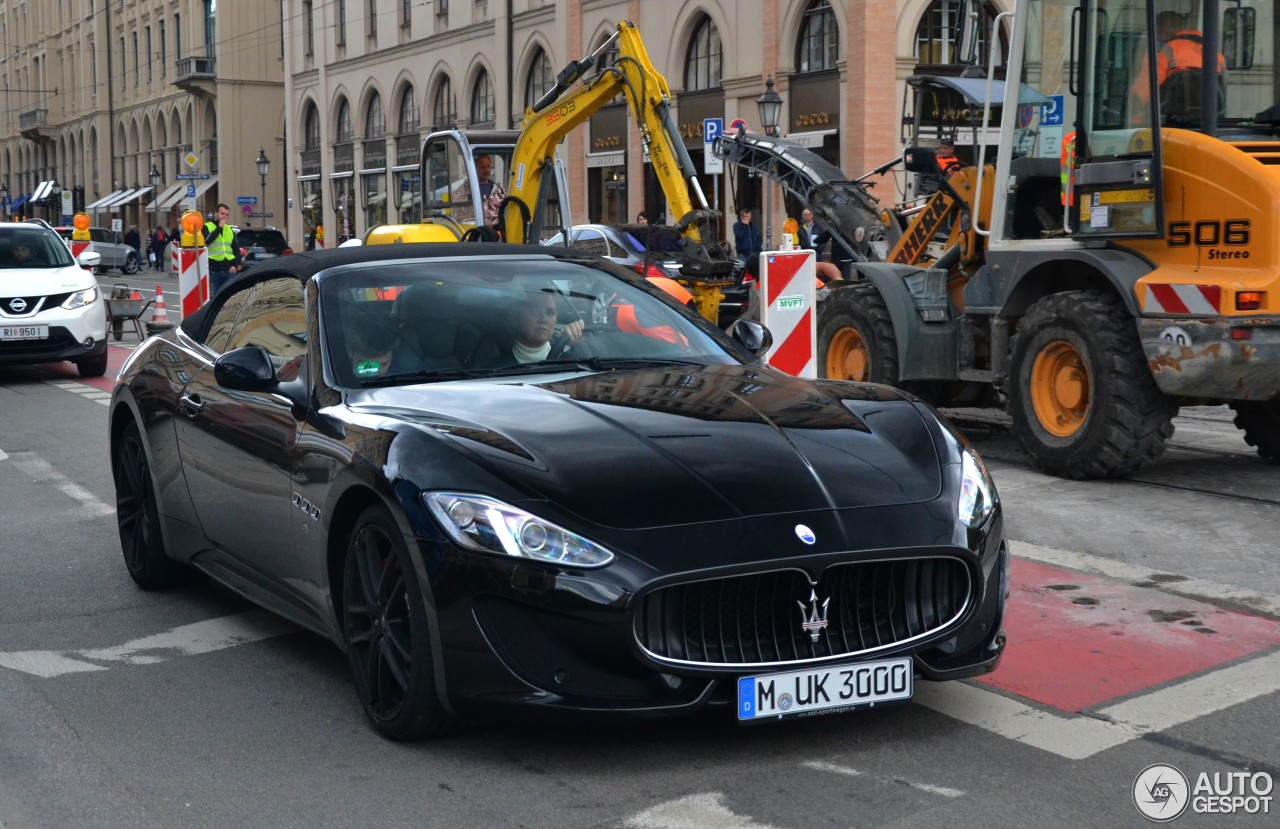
(81, 298)
(494, 527)
(977, 492)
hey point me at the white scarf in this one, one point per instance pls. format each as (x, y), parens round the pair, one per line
(525, 354)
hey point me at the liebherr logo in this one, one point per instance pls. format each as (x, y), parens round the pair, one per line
(813, 618)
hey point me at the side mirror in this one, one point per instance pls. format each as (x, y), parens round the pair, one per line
(1239, 26)
(89, 260)
(920, 160)
(246, 369)
(752, 336)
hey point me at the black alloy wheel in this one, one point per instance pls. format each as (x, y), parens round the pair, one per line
(138, 516)
(387, 634)
(131, 264)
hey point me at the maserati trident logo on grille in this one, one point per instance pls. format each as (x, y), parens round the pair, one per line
(17, 305)
(814, 617)
(805, 534)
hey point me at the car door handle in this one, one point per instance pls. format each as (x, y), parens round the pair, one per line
(190, 404)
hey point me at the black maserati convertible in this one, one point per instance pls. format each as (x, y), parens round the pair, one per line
(508, 479)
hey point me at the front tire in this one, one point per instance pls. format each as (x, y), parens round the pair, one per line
(94, 366)
(138, 516)
(388, 638)
(131, 264)
(855, 337)
(1260, 422)
(1083, 402)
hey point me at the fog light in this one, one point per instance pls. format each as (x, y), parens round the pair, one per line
(1241, 333)
(1248, 300)
(87, 342)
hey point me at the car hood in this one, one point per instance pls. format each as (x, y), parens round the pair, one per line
(642, 449)
(44, 281)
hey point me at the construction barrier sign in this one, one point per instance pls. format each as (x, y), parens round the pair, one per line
(788, 294)
(191, 260)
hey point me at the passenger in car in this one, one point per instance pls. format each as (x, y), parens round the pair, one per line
(369, 346)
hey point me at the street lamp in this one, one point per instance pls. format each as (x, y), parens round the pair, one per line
(154, 178)
(263, 166)
(770, 105)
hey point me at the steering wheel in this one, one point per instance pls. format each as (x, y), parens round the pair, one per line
(560, 342)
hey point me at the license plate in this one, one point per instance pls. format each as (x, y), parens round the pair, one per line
(24, 332)
(824, 690)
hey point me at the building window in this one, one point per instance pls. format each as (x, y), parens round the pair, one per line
(164, 53)
(345, 132)
(408, 112)
(137, 69)
(340, 12)
(444, 113)
(311, 128)
(819, 39)
(150, 55)
(702, 66)
(540, 79)
(482, 110)
(308, 29)
(375, 125)
(210, 27)
(177, 35)
(442, 8)
(371, 24)
(938, 36)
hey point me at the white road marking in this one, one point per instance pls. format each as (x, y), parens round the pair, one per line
(186, 640)
(697, 811)
(818, 765)
(1189, 700)
(1191, 588)
(84, 390)
(3, 456)
(41, 470)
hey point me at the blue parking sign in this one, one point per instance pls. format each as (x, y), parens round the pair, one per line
(1053, 113)
(712, 128)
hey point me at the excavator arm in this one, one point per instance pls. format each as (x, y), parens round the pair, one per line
(705, 264)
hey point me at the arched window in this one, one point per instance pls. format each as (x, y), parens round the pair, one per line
(540, 78)
(938, 36)
(482, 111)
(408, 112)
(311, 129)
(819, 46)
(444, 112)
(375, 125)
(346, 133)
(702, 65)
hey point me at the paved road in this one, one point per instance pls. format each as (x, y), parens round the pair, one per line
(1145, 629)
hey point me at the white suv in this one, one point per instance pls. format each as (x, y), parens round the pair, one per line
(51, 308)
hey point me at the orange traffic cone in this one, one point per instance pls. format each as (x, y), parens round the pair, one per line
(159, 314)
(135, 294)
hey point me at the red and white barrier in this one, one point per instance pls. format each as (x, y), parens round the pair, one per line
(787, 286)
(193, 277)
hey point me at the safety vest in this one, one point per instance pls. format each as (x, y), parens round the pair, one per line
(219, 242)
(1066, 172)
(948, 164)
(1185, 50)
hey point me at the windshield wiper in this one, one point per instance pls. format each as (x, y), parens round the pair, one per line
(615, 363)
(427, 376)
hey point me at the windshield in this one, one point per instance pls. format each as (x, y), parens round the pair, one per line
(388, 323)
(33, 247)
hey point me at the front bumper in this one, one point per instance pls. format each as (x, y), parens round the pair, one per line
(63, 343)
(520, 638)
(1202, 358)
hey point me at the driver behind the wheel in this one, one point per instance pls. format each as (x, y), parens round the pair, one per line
(534, 325)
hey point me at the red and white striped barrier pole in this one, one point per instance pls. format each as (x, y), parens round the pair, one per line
(788, 294)
(191, 258)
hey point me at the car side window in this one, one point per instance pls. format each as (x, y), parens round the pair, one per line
(616, 249)
(220, 329)
(274, 317)
(98, 235)
(592, 242)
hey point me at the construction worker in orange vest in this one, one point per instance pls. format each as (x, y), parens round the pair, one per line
(1181, 49)
(1066, 173)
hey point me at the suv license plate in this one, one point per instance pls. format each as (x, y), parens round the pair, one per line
(824, 689)
(24, 332)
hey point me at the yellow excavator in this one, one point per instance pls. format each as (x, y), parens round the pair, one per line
(536, 200)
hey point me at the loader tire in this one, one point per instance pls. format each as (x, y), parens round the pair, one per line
(1260, 422)
(855, 337)
(1083, 402)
